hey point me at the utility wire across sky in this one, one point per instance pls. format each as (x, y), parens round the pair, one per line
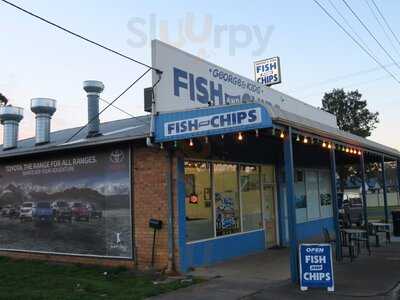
(371, 34)
(356, 41)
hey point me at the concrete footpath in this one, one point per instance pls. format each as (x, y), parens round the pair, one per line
(266, 276)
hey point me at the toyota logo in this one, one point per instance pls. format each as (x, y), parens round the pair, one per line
(117, 156)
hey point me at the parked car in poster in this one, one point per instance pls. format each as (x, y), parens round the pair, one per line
(62, 211)
(25, 212)
(94, 212)
(42, 212)
(80, 211)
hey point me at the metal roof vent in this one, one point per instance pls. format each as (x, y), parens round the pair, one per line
(10, 116)
(43, 108)
(93, 89)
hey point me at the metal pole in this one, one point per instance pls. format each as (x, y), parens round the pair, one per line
(335, 204)
(289, 176)
(398, 180)
(384, 189)
(364, 198)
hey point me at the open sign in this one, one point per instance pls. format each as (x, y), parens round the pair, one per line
(316, 268)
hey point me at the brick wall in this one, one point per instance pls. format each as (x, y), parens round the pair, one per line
(150, 167)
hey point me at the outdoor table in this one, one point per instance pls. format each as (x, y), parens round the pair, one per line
(354, 235)
(381, 227)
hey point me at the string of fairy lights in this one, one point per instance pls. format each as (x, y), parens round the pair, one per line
(298, 137)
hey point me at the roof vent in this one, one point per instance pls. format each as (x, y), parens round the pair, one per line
(93, 89)
(10, 116)
(43, 108)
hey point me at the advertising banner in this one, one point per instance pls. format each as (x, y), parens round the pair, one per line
(75, 204)
(316, 266)
(211, 121)
(188, 82)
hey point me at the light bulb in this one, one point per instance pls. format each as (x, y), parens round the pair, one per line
(240, 136)
(329, 146)
(323, 144)
(191, 144)
(305, 140)
(282, 135)
(298, 138)
(347, 150)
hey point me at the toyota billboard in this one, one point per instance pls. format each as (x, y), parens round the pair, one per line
(68, 204)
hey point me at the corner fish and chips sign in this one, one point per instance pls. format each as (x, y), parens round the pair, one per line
(268, 71)
(316, 266)
(197, 98)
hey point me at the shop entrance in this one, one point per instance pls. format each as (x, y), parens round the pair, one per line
(269, 205)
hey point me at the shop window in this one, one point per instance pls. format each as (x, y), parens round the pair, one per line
(199, 210)
(325, 195)
(300, 196)
(227, 205)
(251, 197)
(312, 193)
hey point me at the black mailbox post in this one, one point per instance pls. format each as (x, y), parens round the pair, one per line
(156, 225)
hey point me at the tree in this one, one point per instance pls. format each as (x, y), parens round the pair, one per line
(351, 112)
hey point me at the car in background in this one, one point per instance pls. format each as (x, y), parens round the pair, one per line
(42, 212)
(80, 211)
(25, 211)
(94, 212)
(10, 211)
(62, 211)
(350, 209)
(5, 211)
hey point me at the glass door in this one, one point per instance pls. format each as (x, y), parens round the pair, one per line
(269, 205)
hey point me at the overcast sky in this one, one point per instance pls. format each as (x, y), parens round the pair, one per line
(38, 61)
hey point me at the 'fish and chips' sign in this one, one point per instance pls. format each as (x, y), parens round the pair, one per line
(316, 266)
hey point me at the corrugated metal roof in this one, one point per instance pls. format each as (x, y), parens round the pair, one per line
(313, 127)
(120, 130)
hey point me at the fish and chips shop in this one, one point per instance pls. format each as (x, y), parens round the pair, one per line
(224, 165)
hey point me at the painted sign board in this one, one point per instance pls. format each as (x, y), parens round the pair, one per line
(189, 82)
(316, 266)
(210, 121)
(268, 71)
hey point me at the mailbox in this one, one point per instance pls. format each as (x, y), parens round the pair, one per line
(155, 224)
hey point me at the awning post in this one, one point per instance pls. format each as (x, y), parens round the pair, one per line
(384, 188)
(335, 204)
(364, 190)
(291, 204)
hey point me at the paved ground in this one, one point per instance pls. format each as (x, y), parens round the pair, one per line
(265, 276)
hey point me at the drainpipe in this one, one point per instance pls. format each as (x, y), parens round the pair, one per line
(170, 195)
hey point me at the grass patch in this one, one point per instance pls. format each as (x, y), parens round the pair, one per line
(22, 279)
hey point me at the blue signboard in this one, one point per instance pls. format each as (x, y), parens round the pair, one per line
(210, 121)
(316, 269)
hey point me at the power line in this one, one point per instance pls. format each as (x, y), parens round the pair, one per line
(370, 33)
(356, 42)
(386, 22)
(349, 25)
(77, 35)
(124, 111)
(111, 103)
(382, 27)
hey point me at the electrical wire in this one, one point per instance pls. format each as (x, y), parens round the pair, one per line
(386, 22)
(349, 25)
(370, 33)
(110, 104)
(382, 27)
(77, 35)
(356, 42)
